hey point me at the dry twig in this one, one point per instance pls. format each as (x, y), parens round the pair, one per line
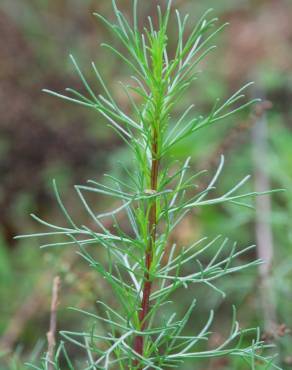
(51, 335)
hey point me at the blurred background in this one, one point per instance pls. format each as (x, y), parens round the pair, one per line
(42, 138)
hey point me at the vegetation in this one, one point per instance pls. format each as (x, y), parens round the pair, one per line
(151, 248)
(142, 269)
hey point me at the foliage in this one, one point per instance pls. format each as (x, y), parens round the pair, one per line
(142, 269)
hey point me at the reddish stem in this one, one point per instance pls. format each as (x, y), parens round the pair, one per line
(152, 225)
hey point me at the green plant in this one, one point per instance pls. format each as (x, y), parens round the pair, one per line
(142, 269)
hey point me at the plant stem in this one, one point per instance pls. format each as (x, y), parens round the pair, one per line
(152, 226)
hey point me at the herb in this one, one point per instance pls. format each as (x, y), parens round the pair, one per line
(142, 269)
